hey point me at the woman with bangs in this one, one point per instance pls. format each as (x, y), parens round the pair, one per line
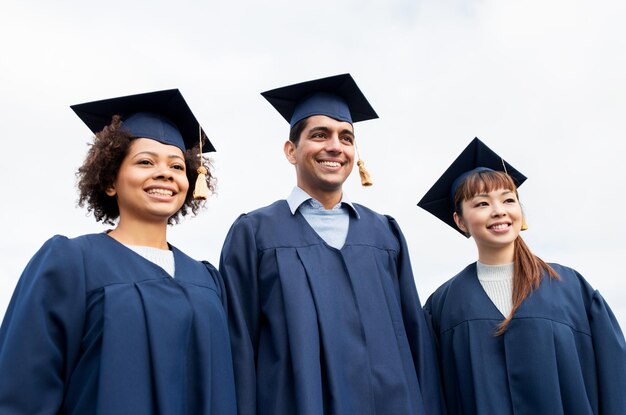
(514, 334)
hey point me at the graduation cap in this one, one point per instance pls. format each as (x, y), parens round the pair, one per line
(163, 116)
(337, 97)
(439, 200)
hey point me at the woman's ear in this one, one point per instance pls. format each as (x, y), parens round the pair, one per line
(459, 222)
(290, 151)
(111, 191)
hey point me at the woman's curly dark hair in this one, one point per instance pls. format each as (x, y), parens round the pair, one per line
(103, 162)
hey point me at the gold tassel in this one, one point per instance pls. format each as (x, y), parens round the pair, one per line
(524, 224)
(201, 190)
(366, 180)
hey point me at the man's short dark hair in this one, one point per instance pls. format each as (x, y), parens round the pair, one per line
(296, 131)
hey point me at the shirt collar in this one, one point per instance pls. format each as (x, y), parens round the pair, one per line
(298, 196)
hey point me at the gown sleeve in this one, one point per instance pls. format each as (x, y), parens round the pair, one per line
(42, 330)
(431, 324)
(417, 330)
(239, 270)
(610, 352)
(219, 284)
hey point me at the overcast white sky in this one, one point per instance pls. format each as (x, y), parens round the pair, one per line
(541, 82)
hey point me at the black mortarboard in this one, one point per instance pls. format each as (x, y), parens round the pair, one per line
(163, 116)
(439, 200)
(337, 97)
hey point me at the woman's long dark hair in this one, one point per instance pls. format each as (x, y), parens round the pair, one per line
(528, 269)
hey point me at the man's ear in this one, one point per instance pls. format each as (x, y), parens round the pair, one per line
(459, 222)
(290, 151)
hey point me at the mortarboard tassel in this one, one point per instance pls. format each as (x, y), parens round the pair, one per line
(524, 224)
(366, 179)
(201, 190)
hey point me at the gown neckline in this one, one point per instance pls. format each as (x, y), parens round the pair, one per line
(309, 229)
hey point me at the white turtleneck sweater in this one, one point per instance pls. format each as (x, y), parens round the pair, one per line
(497, 281)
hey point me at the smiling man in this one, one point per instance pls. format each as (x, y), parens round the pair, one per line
(323, 311)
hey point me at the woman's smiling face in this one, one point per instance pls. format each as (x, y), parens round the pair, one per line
(151, 184)
(493, 219)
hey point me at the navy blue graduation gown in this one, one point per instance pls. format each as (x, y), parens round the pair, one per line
(316, 330)
(563, 352)
(94, 328)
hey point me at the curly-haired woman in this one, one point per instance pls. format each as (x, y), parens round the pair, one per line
(122, 322)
